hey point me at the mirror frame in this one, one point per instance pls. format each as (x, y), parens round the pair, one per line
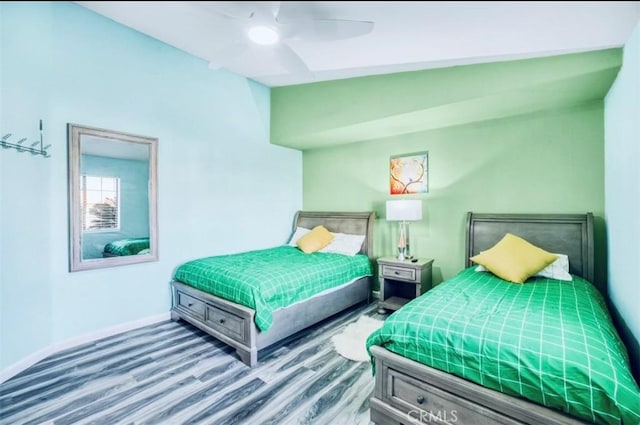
(76, 263)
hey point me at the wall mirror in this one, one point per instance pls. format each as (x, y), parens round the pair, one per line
(112, 198)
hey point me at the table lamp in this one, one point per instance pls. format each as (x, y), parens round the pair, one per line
(403, 211)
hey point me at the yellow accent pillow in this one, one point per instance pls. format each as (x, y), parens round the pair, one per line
(315, 240)
(514, 259)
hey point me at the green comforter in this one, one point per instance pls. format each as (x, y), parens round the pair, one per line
(268, 279)
(548, 341)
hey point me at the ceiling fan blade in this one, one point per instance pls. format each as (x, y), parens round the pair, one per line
(290, 60)
(330, 29)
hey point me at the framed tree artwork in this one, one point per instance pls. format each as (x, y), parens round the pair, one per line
(408, 173)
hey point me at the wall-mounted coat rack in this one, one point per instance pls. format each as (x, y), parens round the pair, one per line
(34, 149)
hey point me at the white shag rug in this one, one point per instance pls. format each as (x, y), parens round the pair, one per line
(351, 343)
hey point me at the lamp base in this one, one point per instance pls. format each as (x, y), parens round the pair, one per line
(404, 252)
(401, 256)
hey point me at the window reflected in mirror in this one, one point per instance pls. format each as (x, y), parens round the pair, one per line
(113, 198)
(100, 208)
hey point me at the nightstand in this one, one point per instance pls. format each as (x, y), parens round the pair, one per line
(402, 281)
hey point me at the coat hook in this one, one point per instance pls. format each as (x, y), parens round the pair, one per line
(4, 142)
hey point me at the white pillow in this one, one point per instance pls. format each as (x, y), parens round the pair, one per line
(344, 244)
(559, 269)
(300, 232)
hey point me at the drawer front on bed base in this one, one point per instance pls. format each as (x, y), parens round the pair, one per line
(191, 305)
(227, 323)
(432, 405)
(211, 315)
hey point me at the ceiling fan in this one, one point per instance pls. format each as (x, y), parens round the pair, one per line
(271, 25)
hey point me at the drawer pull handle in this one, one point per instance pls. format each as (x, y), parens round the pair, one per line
(396, 272)
(190, 305)
(420, 399)
(221, 321)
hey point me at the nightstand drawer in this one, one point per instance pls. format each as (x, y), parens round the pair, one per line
(192, 305)
(403, 273)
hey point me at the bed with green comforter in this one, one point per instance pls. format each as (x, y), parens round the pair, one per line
(273, 278)
(548, 341)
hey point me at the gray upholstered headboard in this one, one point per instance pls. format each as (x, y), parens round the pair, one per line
(352, 223)
(570, 234)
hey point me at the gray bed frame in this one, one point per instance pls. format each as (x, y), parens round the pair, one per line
(234, 323)
(408, 392)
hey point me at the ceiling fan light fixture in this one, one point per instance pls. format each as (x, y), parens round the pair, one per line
(263, 35)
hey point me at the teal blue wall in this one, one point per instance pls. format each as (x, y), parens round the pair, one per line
(622, 192)
(134, 200)
(222, 187)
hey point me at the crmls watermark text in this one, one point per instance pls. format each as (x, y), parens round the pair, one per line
(449, 416)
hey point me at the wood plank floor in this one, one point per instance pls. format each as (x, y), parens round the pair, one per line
(173, 373)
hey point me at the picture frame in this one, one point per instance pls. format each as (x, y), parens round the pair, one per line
(409, 173)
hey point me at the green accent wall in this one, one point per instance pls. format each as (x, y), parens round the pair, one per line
(542, 163)
(524, 136)
(330, 113)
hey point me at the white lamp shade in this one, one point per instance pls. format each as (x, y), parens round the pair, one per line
(404, 210)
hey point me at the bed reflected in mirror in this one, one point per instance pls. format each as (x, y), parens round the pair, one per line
(112, 187)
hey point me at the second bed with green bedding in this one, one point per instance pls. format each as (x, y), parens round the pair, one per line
(548, 341)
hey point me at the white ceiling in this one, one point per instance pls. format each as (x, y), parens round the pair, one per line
(406, 35)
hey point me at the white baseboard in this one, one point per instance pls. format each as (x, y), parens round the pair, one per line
(34, 358)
